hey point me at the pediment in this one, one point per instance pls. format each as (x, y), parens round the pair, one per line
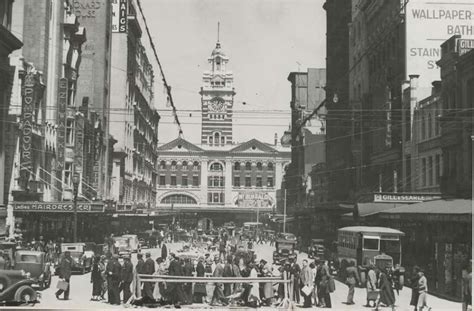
(180, 145)
(253, 146)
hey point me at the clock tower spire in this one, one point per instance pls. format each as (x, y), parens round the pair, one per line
(217, 99)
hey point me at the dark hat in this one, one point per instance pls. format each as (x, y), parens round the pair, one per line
(147, 254)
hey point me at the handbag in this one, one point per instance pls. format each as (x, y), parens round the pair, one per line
(307, 290)
(62, 285)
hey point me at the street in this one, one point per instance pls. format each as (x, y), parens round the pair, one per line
(81, 290)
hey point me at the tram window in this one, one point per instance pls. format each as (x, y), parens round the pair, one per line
(371, 244)
(389, 246)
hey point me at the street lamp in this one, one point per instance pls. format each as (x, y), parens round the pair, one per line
(75, 183)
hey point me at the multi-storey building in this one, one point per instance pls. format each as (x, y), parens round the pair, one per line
(219, 180)
(457, 96)
(338, 138)
(8, 43)
(307, 141)
(93, 87)
(134, 122)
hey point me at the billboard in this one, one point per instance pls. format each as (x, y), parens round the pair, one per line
(79, 145)
(119, 16)
(428, 24)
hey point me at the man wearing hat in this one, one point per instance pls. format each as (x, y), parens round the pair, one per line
(65, 271)
(176, 289)
(113, 272)
(127, 278)
(148, 268)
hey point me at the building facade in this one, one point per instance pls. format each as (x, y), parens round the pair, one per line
(134, 122)
(93, 87)
(9, 42)
(457, 96)
(338, 129)
(218, 180)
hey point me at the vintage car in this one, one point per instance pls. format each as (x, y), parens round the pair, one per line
(316, 249)
(286, 236)
(285, 249)
(133, 242)
(16, 288)
(81, 256)
(35, 263)
(122, 246)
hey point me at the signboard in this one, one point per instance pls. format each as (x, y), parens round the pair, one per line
(119, 16)
(27, 109)
(465, 45)
(404, 197)
(61, 207)
(96, 161)
(254, 199)
(61, 131)
(429, 23)
(79, 145)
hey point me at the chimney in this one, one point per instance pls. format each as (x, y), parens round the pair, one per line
(436, 87)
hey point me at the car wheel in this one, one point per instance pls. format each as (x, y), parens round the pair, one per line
(48, 283)
(25, 294)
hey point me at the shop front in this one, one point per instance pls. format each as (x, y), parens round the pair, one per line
(437, 239)
(54, 220)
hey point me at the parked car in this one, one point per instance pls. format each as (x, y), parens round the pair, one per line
(16, 288)
(286, 236)
(81, 256)
(34, 262)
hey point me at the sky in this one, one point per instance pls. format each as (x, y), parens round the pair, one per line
(264, 39)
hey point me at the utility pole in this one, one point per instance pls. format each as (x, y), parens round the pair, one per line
(75, 183)
(284, 212)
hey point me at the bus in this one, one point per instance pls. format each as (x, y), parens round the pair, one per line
(249, 229)
(365, 245)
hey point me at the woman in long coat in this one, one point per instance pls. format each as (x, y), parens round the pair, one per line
(387, 296)
(254, 295)
(96, 279)
(200, 292)
(267, 287)
(414, 287)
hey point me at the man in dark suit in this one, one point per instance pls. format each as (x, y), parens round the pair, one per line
(140, 264)
(148, 268)
(113, 272)
(218, 296)
(127, 278)
(65, 271)
(176, 289)
(352, 279)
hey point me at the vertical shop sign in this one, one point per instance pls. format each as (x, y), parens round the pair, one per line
(119, 16)
(27, 109)
(61, 131)
(79, 145)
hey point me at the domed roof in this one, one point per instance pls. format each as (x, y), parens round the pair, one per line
(217, 50)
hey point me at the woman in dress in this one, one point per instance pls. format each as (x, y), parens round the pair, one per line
(96, 279)
(414, 287)
(160, 287)
(254, 295)
(325, 296)
(387, 296)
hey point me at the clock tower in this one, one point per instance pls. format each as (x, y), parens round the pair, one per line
(217, 99)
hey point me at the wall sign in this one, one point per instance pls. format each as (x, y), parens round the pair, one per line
(61, 131)
(404, 197)
(119, 16)
(254, 199)
(27, 110)
(79, 145)
(57, 207)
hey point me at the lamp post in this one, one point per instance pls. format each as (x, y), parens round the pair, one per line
(75, 183)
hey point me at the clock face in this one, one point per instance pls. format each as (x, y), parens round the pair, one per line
(217, 104)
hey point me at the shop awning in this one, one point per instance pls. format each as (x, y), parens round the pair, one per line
(438, 210)
(362, 210)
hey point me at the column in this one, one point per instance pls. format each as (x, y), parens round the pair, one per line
(204, 170)
(278, 174)
(228, 182)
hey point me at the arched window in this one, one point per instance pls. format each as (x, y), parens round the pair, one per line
(211, 140)
(216, 139)
(248, 166)
(184, 166)
(222, 140)
(216, 167)
(173, 165)
(270, 166)
(162, 165)
(237, 166)
(178, 199)
(195, 165)
(259, 166)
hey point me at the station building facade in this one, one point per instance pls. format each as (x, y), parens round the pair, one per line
(219, 180)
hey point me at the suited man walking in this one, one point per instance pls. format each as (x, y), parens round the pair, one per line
(176, 289)
(127, 278)
(351, 281)
(113, 272)
(307, 278)
(148, 268)
(65, 271)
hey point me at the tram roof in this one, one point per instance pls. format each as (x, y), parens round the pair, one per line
(366, 229)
